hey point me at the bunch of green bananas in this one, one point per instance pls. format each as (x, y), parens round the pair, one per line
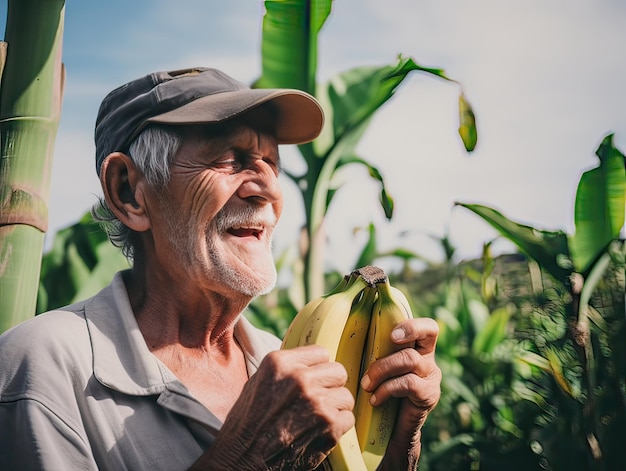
(354, 322)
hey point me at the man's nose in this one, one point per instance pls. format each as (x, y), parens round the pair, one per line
(260, 183)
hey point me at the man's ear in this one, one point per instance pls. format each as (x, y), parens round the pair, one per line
(124, 191)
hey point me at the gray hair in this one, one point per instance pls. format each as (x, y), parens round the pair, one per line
(152, 151)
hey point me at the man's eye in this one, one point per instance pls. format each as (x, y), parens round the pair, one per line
(228, 165)
(275, 164)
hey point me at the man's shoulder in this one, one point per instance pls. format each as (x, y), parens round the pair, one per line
(50, 344)
(45, 329)
(54, 332)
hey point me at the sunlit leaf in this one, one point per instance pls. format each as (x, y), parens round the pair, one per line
(351, 98)
(387, 203)
(479, 314)
(556, 368)
(467, 124)
(289, 43)
(548, 249)
(600, 206)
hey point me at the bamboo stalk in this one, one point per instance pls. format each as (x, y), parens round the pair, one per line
(30, 106)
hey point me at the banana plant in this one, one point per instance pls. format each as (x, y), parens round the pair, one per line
(350, 100)
(578, 262)
(30, 104)
(80, 262)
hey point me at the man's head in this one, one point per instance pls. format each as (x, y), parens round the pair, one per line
(197, 96)
(189, 161)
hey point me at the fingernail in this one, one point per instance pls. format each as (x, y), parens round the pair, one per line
(365, 382)
(373, 399)
(398, 334)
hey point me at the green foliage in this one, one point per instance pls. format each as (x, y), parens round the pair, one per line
(506, 356)
(599, 216)
(483, 420)
(80, 263)
(599, 208)
(573, 404)
(578, 344)
(467, 126)
(548, 248)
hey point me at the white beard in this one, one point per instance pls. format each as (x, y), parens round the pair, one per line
(182, 233)
(263, 277)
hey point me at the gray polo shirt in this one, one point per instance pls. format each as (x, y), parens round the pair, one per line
(79, 390)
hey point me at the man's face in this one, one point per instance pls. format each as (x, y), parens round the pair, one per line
(218, 212)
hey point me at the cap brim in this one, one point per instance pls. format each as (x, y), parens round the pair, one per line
(300, 118)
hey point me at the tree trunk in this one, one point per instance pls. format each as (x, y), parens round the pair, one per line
(30, 106)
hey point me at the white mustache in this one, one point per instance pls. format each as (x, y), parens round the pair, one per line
(245, 216)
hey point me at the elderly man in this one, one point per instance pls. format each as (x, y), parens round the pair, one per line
(160, 370)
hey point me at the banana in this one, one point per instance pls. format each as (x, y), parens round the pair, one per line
(292, 336)
(346, 456)
(374, 425)
(353, 337)
(402, 299)
(325, 325)
(340, 321)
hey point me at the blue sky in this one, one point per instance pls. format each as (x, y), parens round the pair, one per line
(545, 79)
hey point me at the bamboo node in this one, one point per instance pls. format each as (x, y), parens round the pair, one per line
(19, 206)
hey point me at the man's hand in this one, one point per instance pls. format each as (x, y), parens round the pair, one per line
(413, 375)
(290, 414)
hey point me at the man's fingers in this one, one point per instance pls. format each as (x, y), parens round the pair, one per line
(422, 331)
(423, 392)
(419, 338)
(405, 361)
(306, 355)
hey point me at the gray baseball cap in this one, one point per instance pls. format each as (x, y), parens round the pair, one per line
(197, 96)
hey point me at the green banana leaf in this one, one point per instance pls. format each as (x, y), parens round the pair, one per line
(352, 97)
(289, 47)
(349, 100)
(599, 217)
(467, 124)
(549, 249)
(80, 263)
(493, 332)
(600, 206)
(289, 43)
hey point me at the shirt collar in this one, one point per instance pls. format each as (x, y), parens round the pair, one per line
(122, 360)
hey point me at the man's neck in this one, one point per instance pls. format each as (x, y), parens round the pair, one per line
(170, 313)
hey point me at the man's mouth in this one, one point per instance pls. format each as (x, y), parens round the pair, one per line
(246, 231)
